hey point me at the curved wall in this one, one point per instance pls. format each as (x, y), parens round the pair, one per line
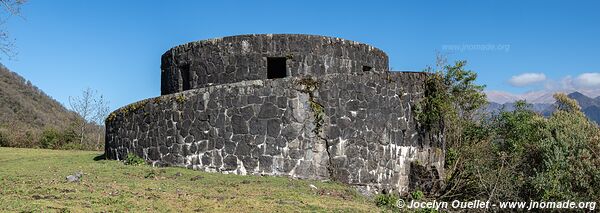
(357, 129)
(333, 112)
(240, 58)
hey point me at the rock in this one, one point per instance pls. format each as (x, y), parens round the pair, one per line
(75, 177)
(268, 110)
(239, 125)
(72, 178)
(273, 127)
(79, 174)
(313, 187)
(365, 191)
(230, 162)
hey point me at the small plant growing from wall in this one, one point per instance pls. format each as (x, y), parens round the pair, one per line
(319, 115)
(309, 85)
(180, 98)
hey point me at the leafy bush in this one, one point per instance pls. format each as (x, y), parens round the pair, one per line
(417, 195)
(569, 168)
(50, 139)
(134, 160)
(55, 139)
(515, 155)
(386, 200)
(451, 157)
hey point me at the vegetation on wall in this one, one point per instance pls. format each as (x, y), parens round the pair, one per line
(308, 86)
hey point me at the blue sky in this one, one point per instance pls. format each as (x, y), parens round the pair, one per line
(115, 46)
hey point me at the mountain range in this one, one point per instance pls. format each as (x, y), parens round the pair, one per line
(543, 102)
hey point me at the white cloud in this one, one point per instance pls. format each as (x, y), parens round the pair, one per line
(527, 79)
(586, 83)
(588, 80)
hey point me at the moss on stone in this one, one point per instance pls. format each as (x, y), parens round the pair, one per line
(319, 113)
(309, 85)
(180, 98)
(127, 109)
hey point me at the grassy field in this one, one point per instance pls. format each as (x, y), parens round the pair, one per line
(35, 180)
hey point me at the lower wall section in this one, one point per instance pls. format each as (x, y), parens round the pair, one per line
(356, 129)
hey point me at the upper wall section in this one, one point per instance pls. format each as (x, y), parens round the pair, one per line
(263, 56)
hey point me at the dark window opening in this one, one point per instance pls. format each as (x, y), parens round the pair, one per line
(184, 71)
(276, 67)
(367, 68)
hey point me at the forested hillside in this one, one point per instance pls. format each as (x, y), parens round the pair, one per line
(30, 118)
(23, 104)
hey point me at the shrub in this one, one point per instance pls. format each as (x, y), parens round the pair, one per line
(134, 160)
(513, 155)
(570, 166)
(451, 157)
(50, 139)
(386, 200)
(55, 139)
(417, 195)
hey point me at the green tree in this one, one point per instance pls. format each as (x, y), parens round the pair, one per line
(512, 155)
(529, 157)
(452, 107)
(570, 168)
(515, 150)
(50, 139)
(453, 101)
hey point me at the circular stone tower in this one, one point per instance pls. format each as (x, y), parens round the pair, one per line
(303, 106)
(268, 56)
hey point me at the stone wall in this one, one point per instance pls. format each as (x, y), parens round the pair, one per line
(240, 58)
(357, 128)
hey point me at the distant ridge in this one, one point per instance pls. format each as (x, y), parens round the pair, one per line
(589, 106)
(23, 105)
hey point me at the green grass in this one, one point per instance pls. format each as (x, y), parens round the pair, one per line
(35, 180)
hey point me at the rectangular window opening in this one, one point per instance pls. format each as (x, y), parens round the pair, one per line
(276, 67)
(184, 71)
(367, 68)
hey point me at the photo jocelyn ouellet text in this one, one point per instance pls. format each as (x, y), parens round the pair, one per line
(481, 204)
